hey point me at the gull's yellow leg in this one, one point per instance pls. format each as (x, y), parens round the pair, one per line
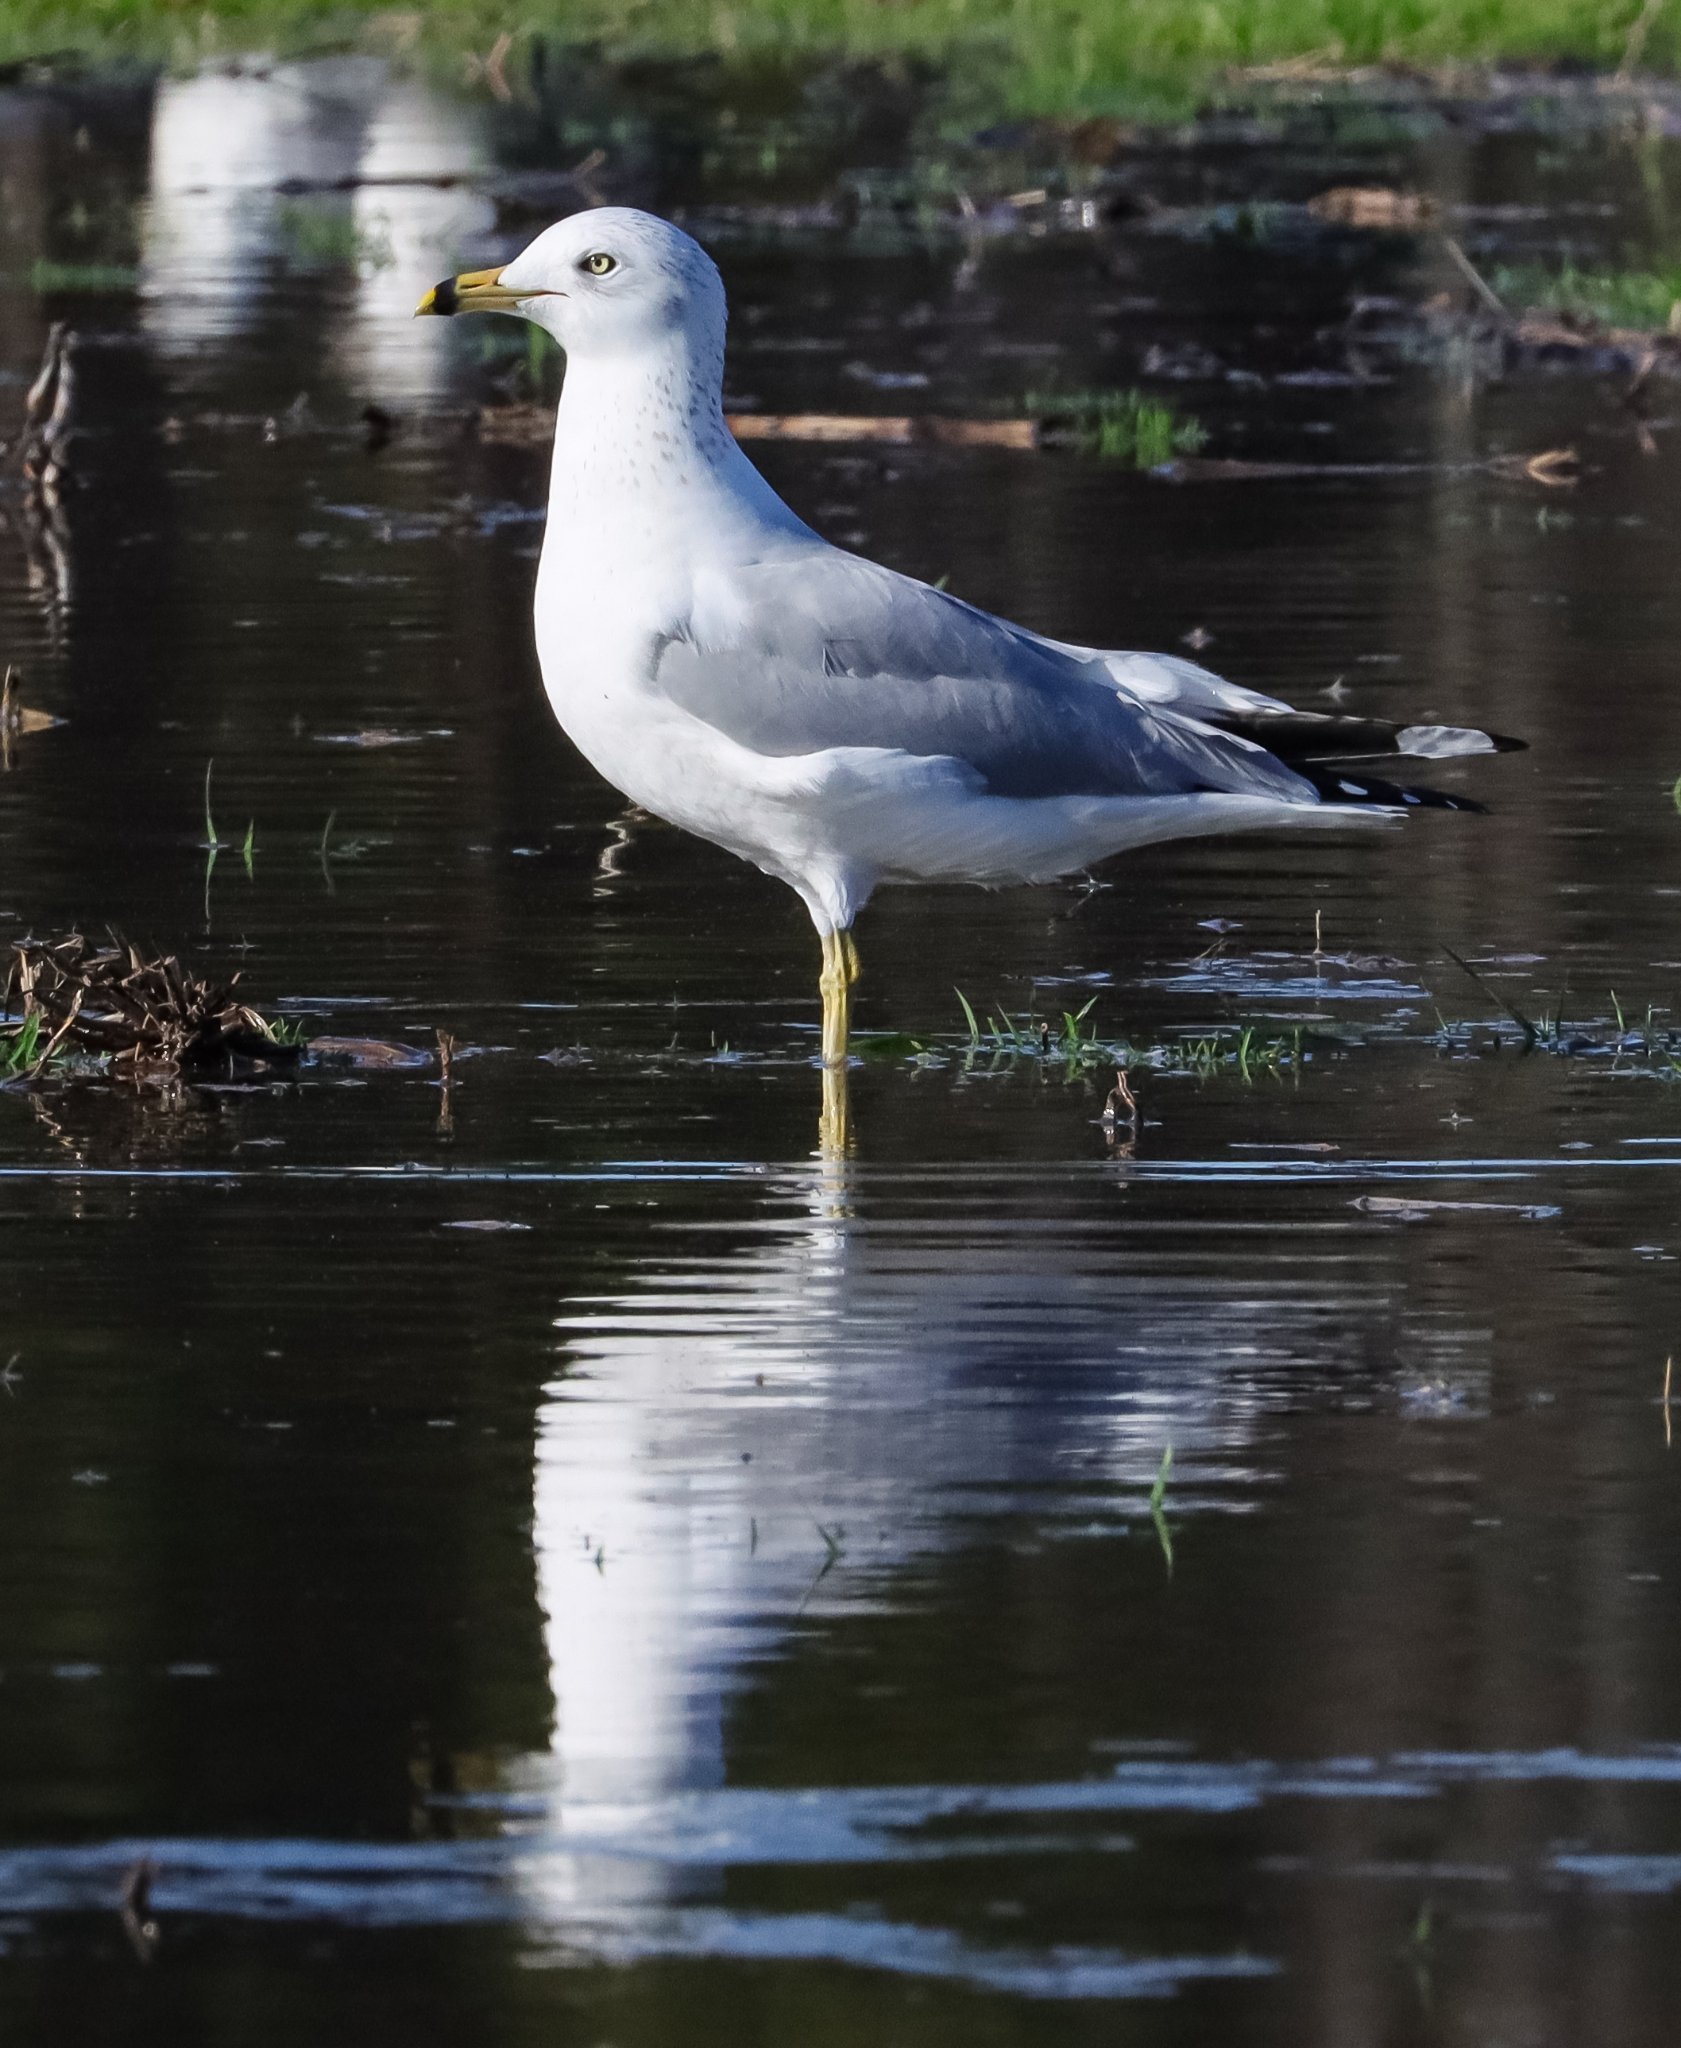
(840, 971)
(834, 1126)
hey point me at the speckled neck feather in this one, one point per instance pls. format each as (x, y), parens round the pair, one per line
(650, 421)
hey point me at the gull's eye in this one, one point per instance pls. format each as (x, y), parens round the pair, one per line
(599, 265)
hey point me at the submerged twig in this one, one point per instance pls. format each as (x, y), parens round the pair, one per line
(896, 431)
(1121, 1097)
(17, 719)
(135, 1906)
(46, 411)
(1474, 278)
(1158, 1515)
(447, 1044)
(1531, 1031)
(1635, 47)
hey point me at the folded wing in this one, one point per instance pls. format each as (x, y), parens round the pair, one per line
(820, 649)
(1299, 737)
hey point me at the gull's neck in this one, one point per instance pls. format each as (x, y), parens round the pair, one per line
(642, 457)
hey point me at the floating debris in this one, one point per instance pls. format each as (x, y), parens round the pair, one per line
(931, 429)
(375, 736)
(1121, 1100)
(150, 1019)
(1376, 207)
(379, 427)
(17, 720)
(1545, 332)
(134, 1905)
(1557, 468)
(1415, 1209)
(533, 426)
(370, 1055)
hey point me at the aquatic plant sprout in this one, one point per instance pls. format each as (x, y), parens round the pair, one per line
(20, 1046)
(1121, 426)
(1245, 1049)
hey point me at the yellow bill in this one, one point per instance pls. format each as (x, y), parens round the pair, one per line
(474, 291)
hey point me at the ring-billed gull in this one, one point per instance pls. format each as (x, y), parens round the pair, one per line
(836, 723)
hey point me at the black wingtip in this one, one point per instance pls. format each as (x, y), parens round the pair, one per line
(1370, 792)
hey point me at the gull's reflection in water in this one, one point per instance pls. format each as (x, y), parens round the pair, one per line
(779, 1419)
(684, 1467)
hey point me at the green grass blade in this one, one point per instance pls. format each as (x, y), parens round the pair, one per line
(969, 1018)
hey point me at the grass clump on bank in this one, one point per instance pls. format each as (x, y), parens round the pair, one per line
(1120, 426)
(1068, 57)
(98, 279)
(1613, 298)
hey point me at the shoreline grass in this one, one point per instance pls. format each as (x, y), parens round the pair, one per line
(1062, 58)
(1647, 299)
(1120, 426)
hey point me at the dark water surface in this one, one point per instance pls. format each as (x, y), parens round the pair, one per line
(555, 1560)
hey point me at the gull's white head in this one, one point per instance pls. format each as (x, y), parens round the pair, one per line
(612, 282)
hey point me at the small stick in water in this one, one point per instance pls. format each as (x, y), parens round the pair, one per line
(1121, 1097)
(46, 411)
(1474, 278)
(38, 403)
(135, 1907)
(446, 1067)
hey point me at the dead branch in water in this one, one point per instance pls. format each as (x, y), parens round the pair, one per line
(522, 425)
(46, 411)
(17, 720)
(931, 428)
(150, 1018)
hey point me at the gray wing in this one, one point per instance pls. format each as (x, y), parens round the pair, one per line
(824, 649)
(1297, 737)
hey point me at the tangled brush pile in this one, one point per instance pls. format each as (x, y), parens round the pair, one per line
(148, 1018)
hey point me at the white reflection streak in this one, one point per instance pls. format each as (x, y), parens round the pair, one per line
(223, 145)
(660, 1552)
(414, 138)
(221, 142)
(831, 1374)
